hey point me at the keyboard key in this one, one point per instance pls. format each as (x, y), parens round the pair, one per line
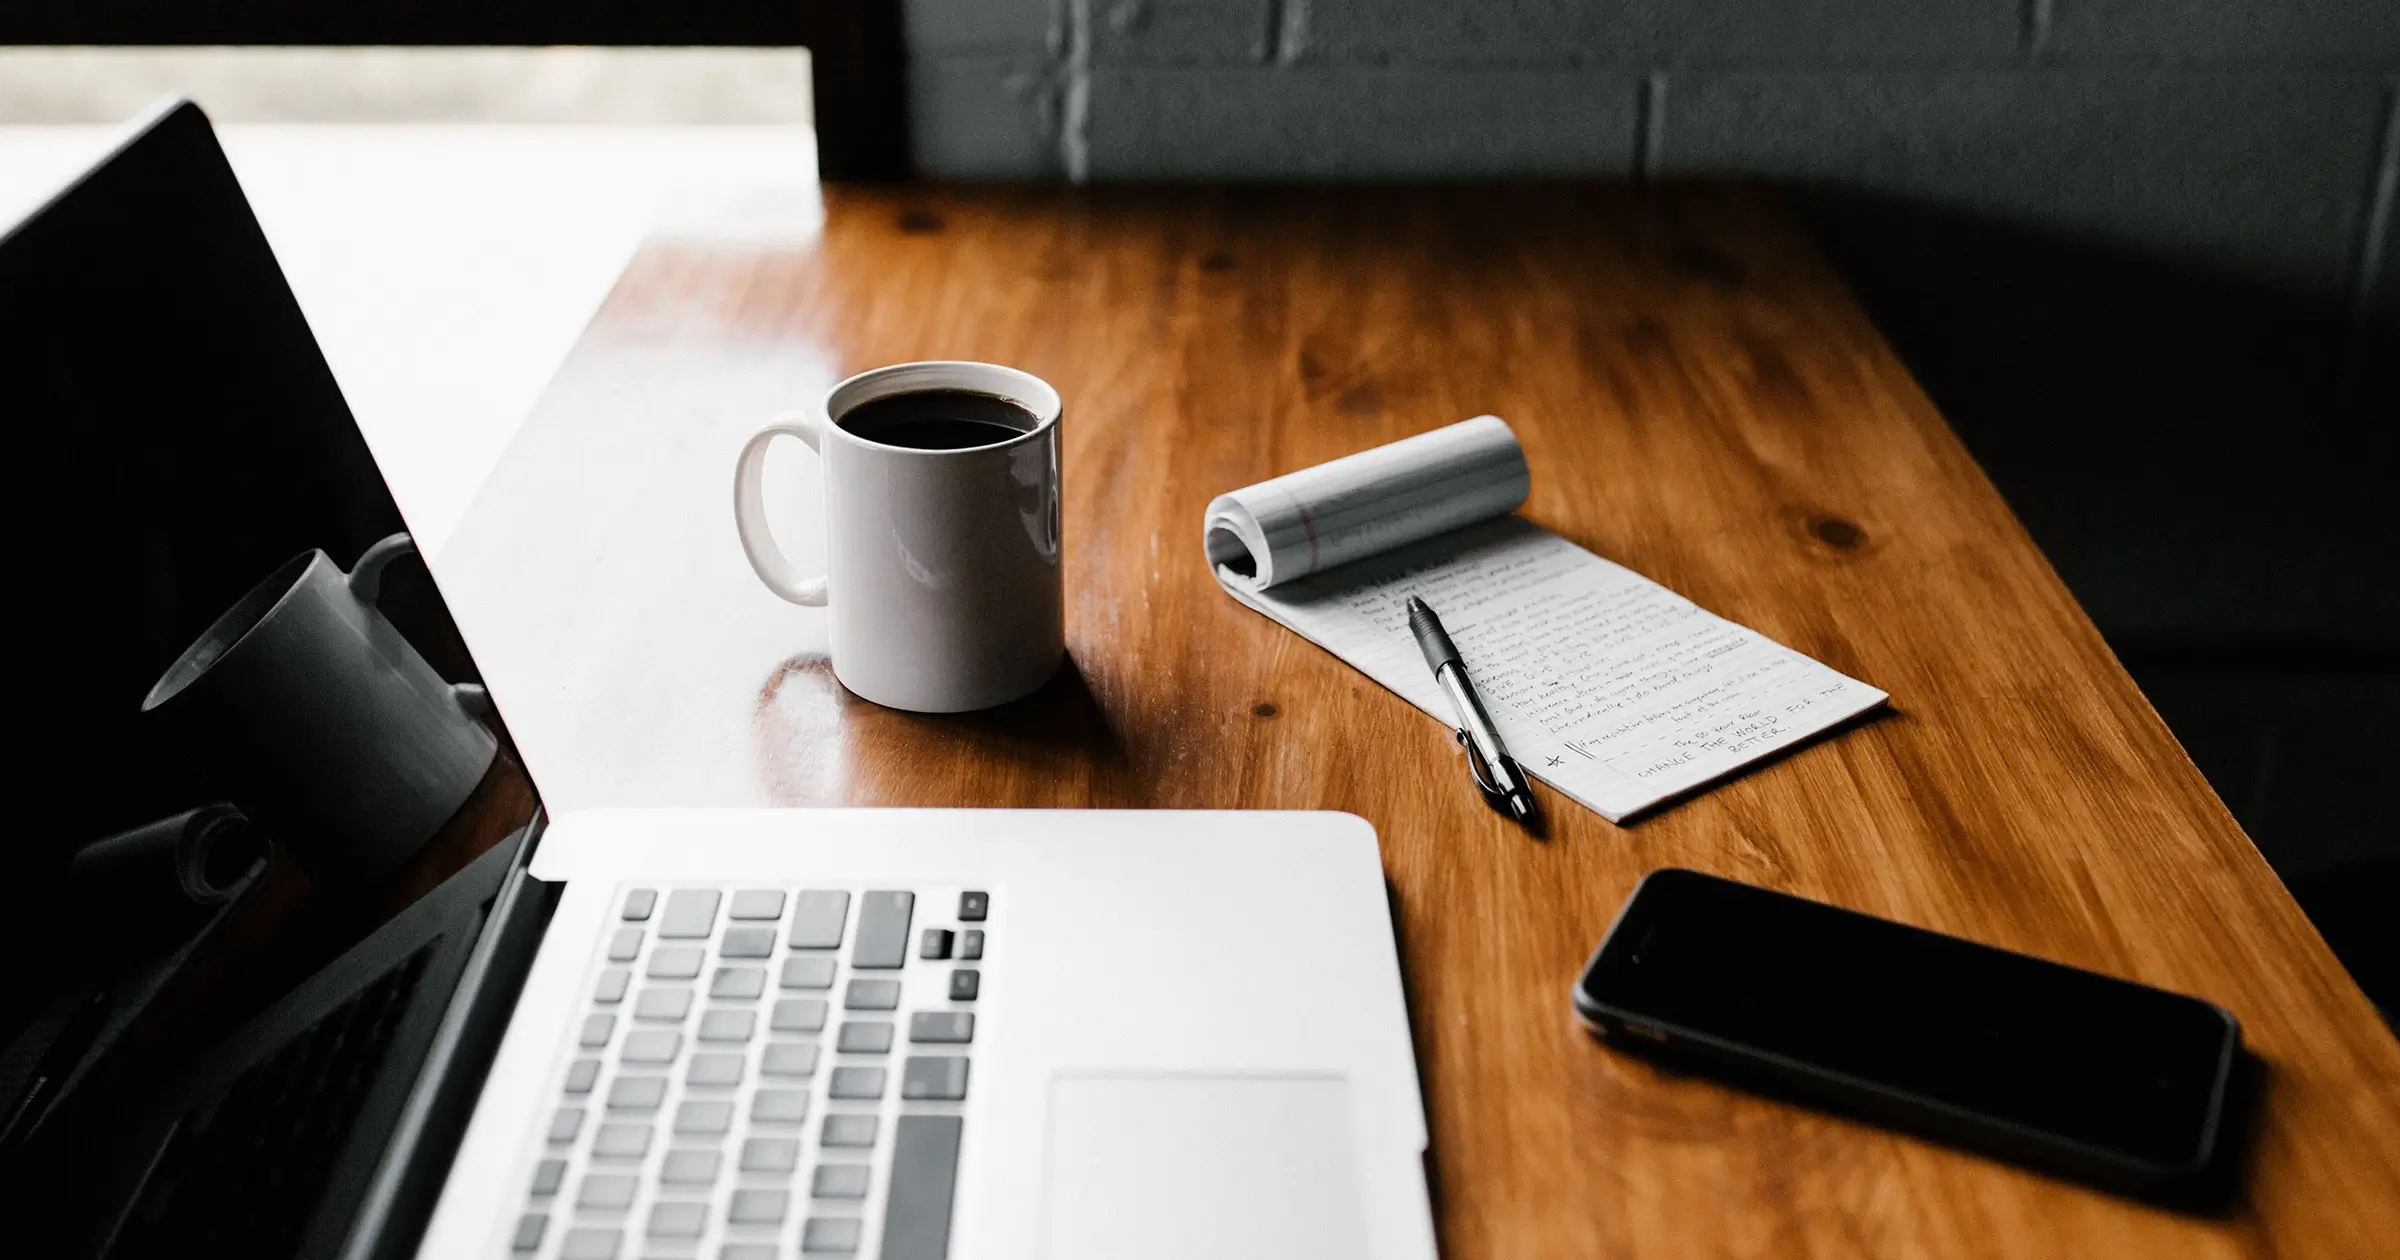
(547, 1175)
(817, 920)
(807, 971)
(582, 1076)
(626, 943)
(973, 906)
(856, 1082)
(864, 1036)
(916, 1207)
(685, 1167)
(747, 942)
(611, 988)
(651, 1045)
(949, 1027)
(703, 1117)
(663, 1004)
(779, 1106)
(872, 995)
(829, 1236)
(780, 1155)
(714, 1069)
(637, 1093)
(638, 903)
(844, 1129)
(739, 982)
(941, 1077)
(676, 962)
(756, 903)
(598, 1027)
(789, 1058)
(798, 1015)
(590, 1244)
(965, 983)
(759, 1207)
(529, 1232)
(621, 1141)
(565, 1123)
(840, 1181)
(934, 943)
(970, 944)
(677, 1220)
(606, 1191)
(728, 1025)
(882, 930)
(691, 914)
(747, 1251)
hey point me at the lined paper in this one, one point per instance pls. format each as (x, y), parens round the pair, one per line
(1605, 685)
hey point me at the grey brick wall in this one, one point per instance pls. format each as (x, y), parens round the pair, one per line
(2254, 138)
(1300, 122)
(1659, 32)
(2267, 176)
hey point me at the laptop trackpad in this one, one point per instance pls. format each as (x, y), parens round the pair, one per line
(1175, 1167)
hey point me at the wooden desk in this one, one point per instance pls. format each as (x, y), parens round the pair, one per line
(1701, 399)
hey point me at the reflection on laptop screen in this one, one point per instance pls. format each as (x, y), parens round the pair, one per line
(176, 438)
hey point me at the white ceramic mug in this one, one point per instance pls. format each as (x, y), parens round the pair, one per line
(323, 723)
(942, 566)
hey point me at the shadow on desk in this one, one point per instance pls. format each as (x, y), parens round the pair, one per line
(2207, 464)
(2219, 1193)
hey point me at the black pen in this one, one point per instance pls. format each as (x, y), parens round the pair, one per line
(1495, 771)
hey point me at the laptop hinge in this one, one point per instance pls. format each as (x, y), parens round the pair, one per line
(400, 1196)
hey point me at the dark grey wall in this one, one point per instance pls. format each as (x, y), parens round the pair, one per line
(2254, 138)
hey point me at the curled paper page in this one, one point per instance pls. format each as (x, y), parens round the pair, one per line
(1360, 505)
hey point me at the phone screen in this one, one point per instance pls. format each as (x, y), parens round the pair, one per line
(2098, 1061)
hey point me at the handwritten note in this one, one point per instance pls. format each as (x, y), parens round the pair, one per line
(1609, 687)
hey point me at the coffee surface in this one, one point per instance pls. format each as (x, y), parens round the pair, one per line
(939, 420)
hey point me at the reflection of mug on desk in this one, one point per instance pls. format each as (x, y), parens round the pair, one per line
(323, 723)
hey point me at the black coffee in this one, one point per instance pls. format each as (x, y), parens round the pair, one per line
(939, 420)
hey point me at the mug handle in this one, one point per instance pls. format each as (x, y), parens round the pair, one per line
(366, 583)
(366, 577)
(750, 509)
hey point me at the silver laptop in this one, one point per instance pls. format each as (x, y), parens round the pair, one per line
(926, 1033)
(908, 1034)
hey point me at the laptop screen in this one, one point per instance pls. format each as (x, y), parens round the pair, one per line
(176, 439)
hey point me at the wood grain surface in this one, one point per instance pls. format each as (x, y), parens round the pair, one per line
(1700, 399)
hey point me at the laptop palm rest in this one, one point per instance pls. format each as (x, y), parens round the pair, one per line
(1180, 1167)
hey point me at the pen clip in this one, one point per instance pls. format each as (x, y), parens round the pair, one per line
(1478, 767)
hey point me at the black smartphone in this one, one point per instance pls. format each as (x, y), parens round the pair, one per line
(2101, 1079)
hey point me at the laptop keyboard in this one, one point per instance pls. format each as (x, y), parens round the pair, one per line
(764, 1072)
